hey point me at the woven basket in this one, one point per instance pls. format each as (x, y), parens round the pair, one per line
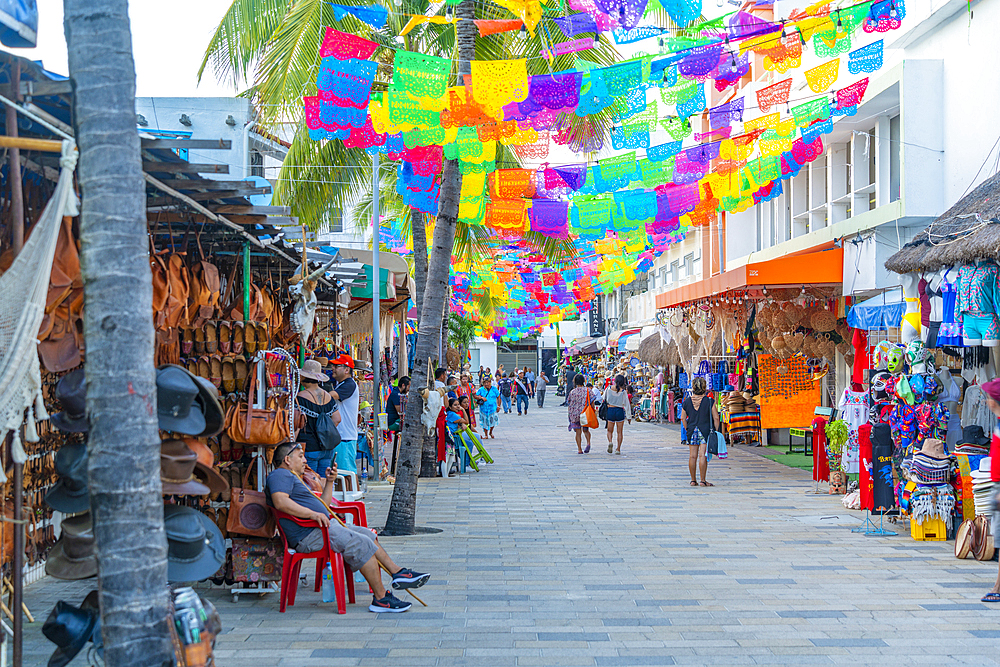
(823, 320)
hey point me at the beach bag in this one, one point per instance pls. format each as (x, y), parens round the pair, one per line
(588, 418)
(717, 445)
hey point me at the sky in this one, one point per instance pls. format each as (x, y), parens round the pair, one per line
(168, 42)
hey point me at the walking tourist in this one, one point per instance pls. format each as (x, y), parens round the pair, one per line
(569, 376)
(619, 409)
(488, 398)
(521, 392)
(361, 551)
(577, 401)
(699, 414)
(505, 386)
(992, 391)
(543, 380)
(320, 435)
(529, 375)
(345, 392)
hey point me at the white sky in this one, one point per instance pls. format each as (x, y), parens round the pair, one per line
(168, 42)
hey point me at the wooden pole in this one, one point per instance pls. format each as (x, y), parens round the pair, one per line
(17, 242)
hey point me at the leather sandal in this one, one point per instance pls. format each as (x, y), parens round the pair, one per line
(250, 337)
(211, 338)
(225, 337)
(241, 370)
(225, 447)
(187, 341)
(215, 366)
(262, 336)
(237, 337)
(192, 365)
(204, 367)
(228, 375)
(199, 341)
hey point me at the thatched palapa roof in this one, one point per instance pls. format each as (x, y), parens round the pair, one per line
(968, 231)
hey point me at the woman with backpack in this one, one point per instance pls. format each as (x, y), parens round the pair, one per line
(320, 435)
(699, 414)
(505, 385)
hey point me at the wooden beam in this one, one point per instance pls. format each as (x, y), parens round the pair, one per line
(185, 168)
(206, 184)
(209, 196)
(256, 210)
(29, 144)
(201, 144)
(42, 88)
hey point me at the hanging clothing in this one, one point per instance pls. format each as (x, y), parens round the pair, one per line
(975, 411)
(950, 332)
(925, 301)
(853, 406)
(862, 356)
(978, 296)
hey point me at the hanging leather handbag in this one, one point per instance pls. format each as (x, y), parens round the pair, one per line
(963, 540)
(248, 511)
(266, 426)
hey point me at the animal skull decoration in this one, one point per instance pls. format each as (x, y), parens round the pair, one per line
(304, 310)
(433, 402)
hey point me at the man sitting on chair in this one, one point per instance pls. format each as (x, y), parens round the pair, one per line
(287, 493)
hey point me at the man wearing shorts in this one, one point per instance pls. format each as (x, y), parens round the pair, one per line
(362, 553)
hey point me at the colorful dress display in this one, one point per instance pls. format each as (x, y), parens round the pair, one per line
(950, 332)
(853, 407)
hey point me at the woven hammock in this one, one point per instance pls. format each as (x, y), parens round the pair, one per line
(23, 289)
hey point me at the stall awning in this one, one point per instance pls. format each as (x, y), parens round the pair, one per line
(880, 312)
(618, 338)
(825, 267)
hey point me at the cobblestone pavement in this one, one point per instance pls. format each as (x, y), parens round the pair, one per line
(552, 558)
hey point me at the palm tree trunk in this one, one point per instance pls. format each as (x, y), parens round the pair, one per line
(419, 232)
(401, 519)
(124, 443)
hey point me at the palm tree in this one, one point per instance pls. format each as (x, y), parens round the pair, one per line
(124, 443)
(461, 333)
(277, 41)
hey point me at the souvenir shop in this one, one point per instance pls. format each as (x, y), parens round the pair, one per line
(230, 311)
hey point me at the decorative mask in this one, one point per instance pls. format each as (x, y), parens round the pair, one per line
(896, 360)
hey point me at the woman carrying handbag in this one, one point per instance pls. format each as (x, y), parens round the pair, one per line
(700, 416)
(320, 435)
(581, 404)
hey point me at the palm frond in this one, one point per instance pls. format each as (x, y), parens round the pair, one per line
(241, 38)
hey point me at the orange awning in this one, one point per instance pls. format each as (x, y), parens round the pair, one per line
(812, 268)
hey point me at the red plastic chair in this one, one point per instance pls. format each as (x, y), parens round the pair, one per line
(292, 562)
(355, 509)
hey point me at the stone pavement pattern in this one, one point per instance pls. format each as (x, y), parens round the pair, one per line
(552, 558)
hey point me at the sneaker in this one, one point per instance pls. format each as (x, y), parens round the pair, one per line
(390, 604)
(407, 578)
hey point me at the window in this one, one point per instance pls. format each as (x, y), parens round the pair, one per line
(689, 265)
(256, 164)
(336, 218)
(666, 276)
(675, 271)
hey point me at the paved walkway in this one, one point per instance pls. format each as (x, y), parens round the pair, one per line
(552, 558)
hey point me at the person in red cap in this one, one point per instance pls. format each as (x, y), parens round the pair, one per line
(992, 391)
(345, 392)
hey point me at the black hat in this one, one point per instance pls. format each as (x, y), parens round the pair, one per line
(195, 547)
(69, 628)
(208, 399)
(973, 434)
(71, 392)
(176, 391)
(92, 601)
(69, 494)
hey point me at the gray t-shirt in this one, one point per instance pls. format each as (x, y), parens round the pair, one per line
(281, 480)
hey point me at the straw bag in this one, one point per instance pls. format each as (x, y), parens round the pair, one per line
(249, 513)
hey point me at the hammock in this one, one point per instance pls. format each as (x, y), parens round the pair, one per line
(23, 288)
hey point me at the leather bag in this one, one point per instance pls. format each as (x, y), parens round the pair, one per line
(248, 511)
(964, 539)
(266, 426)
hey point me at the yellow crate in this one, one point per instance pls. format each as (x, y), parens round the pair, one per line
(930, 529)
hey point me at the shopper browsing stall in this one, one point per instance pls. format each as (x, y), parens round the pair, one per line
(362, 553)
(699, 414)
(320, 434)
(345, 392)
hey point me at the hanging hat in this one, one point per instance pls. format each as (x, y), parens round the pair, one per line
(917, 385)
(71, 392)
(176, 391)
(92, 601)
(73, 556)
(69, 494)
(211, 407)
(205, 467)
(177, 464)
(195, 548)
(973, 434)
(312, 370)
(934, 447)
(69, 628)
(903, 390)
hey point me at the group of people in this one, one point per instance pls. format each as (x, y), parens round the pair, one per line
(699, 414)
(517, 387)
